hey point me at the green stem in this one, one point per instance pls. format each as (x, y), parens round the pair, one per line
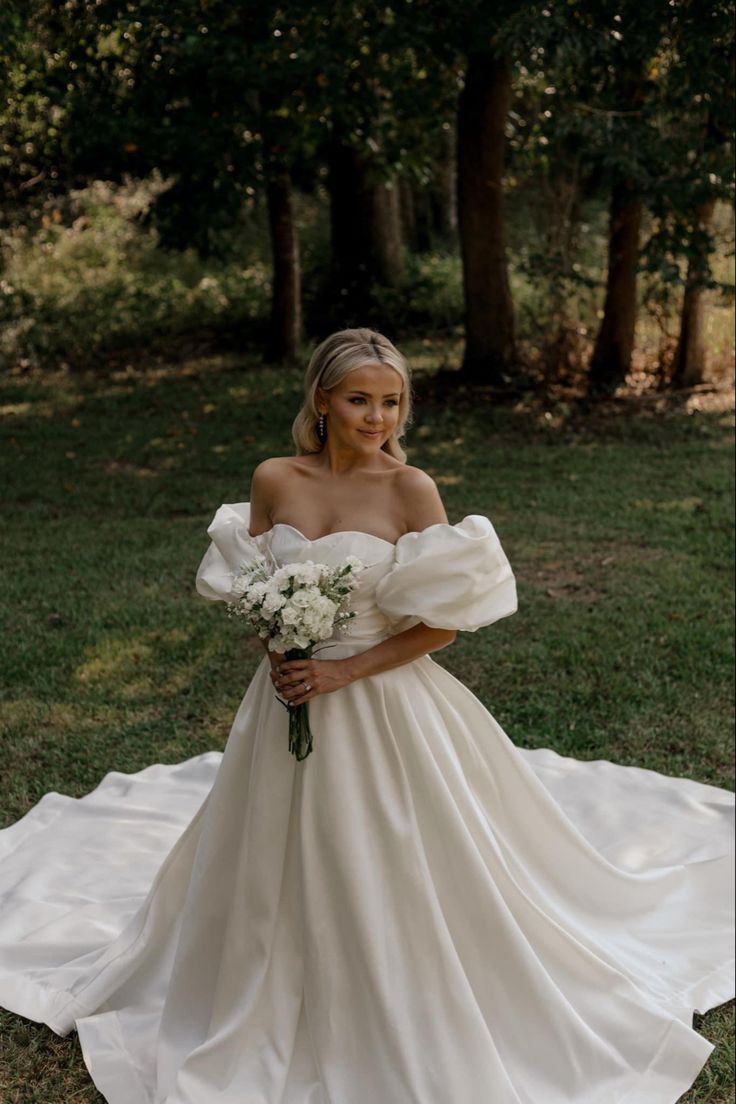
(300, 734)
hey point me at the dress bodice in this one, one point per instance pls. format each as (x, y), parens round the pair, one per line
(446, 576)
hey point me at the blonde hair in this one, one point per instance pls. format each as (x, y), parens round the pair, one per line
(330, 362)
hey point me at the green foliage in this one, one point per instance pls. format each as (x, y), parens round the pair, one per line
(216, 96)
(430, 301)
(620, 91)
(94, 279)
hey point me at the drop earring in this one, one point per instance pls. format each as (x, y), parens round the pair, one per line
(321, 427)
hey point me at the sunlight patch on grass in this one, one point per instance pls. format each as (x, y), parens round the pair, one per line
(118, 660)
(114, 660)
(178, 681)
(688, 505)
(20, 711)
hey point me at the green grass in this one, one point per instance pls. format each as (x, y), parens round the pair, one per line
(619, 527)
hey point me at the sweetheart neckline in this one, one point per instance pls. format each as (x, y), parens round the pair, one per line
(336, 533)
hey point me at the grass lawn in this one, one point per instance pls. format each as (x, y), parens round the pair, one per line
(619, 528)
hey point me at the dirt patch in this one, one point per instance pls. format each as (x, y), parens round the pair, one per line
(577, 577)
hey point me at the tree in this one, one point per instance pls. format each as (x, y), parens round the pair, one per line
(490, 354)
(614, 344)
(698, 82)
(688, 368)
(632, 37)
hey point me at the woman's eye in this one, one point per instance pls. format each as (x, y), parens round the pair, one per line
(391, 402)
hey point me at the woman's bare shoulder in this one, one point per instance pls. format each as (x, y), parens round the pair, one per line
(274, 464)
(420, 498)
(275, 468)
(266, 483)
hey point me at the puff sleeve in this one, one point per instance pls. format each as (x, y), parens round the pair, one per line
(450, 577)
(230, 546)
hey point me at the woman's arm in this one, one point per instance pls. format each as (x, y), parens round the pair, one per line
(323, 676)
(396, 650)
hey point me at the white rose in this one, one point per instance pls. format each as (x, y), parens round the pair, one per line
(258, 590)
(310, 572)
(239, 586)
(273, 601)
(280, 577)
(327, 607)
(305, 597)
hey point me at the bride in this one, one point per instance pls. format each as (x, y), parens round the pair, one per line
(350, 471)
(419, 912)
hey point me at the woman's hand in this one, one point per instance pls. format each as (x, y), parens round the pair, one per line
(291, 677)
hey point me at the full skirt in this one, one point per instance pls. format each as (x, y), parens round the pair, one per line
(418, 913)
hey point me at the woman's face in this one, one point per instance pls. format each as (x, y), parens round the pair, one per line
(363, 408)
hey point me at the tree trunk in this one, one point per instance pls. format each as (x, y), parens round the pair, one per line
(349, 219)
(558, 230)
(423, 242)
(444, 194)
(689, 363)
(430, 211)
(408, 213)
(490, 354)
(285, 332)
(614, 344)
(365, 224)
(387, 252)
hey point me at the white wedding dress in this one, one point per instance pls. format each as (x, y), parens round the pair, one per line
(417, 913)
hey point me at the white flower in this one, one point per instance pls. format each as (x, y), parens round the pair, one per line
(257, 590)
(309, 573)
(305, 596)
(327, 607)
(316, 608)
(239, 587)
(281, 576)
(354, 562)
(273, 601)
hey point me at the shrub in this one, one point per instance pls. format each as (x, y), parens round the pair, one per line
(92, 277)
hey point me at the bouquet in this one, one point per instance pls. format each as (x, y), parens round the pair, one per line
(294, 606)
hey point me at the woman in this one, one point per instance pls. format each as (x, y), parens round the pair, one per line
(417, 913)
(353, 473)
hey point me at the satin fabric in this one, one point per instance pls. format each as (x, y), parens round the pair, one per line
(418, 913)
